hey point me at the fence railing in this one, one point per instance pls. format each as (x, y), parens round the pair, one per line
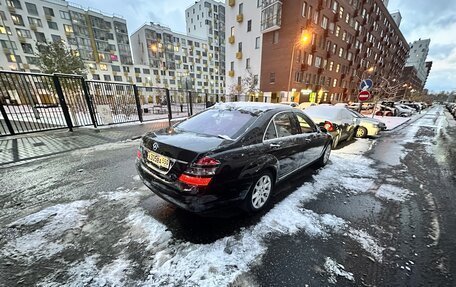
(31, 102)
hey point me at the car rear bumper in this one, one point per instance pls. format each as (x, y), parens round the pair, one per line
(206, 201)
(373, 131)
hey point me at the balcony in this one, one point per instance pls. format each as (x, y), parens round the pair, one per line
(271, 16)
(239, 55)
(231, 73)
(22, 39)
(231, 3)
(12, 9)
(48, 17)
(240, 18)
(33, 27)
(26, 66)
(231, 39)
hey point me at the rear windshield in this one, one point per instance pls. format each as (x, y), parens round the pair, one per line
(219, 122)
(323, 112)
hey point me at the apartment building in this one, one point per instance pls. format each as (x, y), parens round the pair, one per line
(243, 48)
(319, 50)
(419, 51)
(206, 20)
(101, 40)
(175, 60)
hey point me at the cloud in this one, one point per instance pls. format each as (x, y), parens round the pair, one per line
(435, 20)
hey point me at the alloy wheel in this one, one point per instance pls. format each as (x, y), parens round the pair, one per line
(261, 191)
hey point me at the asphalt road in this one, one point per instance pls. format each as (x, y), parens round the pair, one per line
(382, 213)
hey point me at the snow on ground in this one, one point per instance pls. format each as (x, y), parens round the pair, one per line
(335, 269)
(178, 263)
(46, 241)
(392, 122)
(391, 192)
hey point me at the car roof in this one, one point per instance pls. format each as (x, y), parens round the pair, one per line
(252, 107)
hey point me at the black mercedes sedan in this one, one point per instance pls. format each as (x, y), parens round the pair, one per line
(230, 154)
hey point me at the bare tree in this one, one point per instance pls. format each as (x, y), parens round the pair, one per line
(248, 86)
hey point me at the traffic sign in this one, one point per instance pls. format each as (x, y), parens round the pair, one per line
(364, 96)
(366, 84)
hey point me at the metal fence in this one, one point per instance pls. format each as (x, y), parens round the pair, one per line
(31, 102)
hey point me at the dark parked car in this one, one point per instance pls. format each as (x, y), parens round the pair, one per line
(338, 121)
(230, 154)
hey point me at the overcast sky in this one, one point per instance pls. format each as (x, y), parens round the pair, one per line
(420, 19)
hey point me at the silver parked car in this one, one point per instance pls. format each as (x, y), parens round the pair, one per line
(338, 121)
(367, 126)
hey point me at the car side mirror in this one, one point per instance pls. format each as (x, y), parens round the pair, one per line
(323, 130)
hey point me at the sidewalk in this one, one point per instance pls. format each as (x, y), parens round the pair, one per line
(25, 147)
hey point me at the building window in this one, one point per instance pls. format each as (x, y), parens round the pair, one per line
(331, 65)
(27, 48)
(31, 9)
(48, 11)
(232, 31)
(35, 21)
(257, 43)
(241, 8)
(96, 77)
(310, 60)
(65, 15)
(17, 19)
(337, 68)
(275, 37)
(14, 3)
(317, 62)
(40, 37)
(56, 38)
(52, 25)
(271, 78)
(23, 33)
(232, 66)
(107, 78)
(240, 47)
(324, 22)
(118, 78)
(337, 31)
(115, 68)
(247, 63)
(341, 52)
(334, 83)
(249, 25)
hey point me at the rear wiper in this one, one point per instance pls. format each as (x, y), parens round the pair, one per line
(225, 137)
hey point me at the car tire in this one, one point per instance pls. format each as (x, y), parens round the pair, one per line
(388, 114)
(361, 132)
(335, 141)
(323, 160)
(260, 193)
(379, 113)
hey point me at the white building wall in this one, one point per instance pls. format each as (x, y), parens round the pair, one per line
(192, 61)
(249, 39)
(64, 28)
(419, 51)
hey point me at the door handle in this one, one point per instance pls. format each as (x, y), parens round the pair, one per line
(274, 145)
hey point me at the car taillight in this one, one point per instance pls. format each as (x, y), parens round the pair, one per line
(139, 153)
(195, 180)
(329, 126)
(200, 173)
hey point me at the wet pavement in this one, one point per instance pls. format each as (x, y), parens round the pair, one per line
(381, 213)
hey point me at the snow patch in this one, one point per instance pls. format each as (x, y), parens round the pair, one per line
(49, 239)
(335, 269)
(391, 192)
(367, 242)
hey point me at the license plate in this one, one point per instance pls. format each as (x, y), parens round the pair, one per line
(158, 159)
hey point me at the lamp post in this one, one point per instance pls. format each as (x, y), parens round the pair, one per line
(302, 41)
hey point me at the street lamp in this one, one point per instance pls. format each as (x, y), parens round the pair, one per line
(302, 41)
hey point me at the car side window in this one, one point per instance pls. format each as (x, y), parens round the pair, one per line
(270, 132)
(306, 127)
(283, 125)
